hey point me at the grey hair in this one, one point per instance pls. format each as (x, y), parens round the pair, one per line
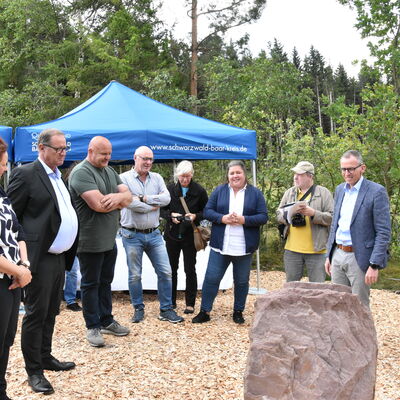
(46, 135)
(236, 163)
(353, 153)
(184, 167)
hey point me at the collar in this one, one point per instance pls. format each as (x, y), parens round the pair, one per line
(48, 170)
(299, 191)
(242, 189)
(136, 175)
(356, 187)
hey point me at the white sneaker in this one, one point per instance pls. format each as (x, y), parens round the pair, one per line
(115, 329)
(95, 338)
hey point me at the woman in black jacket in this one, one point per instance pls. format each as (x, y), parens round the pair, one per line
(178, 233)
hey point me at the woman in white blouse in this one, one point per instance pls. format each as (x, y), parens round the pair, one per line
(236, 210)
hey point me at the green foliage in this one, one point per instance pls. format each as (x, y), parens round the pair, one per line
(389, 277)
(56, 54)
(379, 19)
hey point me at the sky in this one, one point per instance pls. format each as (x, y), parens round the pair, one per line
(325, 24)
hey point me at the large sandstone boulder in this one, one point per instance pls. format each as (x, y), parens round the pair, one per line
(311, 341)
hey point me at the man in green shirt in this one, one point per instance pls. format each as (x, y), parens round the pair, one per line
(98, 194)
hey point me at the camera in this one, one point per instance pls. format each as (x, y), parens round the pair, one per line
(298, 220)
(181, 218)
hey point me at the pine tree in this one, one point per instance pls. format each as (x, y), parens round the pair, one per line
(296, 61)
(276, 52)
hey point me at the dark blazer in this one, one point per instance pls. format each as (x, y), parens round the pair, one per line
(370, 224)
(35, 203)
(196, 199)
(254, 212)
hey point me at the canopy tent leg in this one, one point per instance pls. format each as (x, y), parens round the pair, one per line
(256, 290)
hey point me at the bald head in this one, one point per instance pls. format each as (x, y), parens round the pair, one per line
(99, 152)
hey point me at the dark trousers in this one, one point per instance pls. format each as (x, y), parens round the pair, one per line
(9, 300)
(174, 249)
(97, 270)
(42, 305)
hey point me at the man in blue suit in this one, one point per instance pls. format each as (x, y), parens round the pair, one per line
(360, 232)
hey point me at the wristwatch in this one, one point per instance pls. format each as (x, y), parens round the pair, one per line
(25, 263)
(141, 197)
(375, 266)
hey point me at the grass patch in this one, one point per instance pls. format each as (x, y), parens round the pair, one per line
(271, 259)
(389, 277)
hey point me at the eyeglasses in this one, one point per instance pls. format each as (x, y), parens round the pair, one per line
(58, 150)
(150, 159)
(349, 170)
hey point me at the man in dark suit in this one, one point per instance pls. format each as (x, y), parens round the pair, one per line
(360, 231)
(43, 207)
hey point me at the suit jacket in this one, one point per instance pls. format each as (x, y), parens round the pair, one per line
(254, 211)
(370, 224)
(35, 203)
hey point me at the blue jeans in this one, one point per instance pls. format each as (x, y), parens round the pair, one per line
(217, 265)
(135, 243)
(71, 281)
(97, 271)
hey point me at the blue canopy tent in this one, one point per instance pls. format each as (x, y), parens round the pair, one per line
(129, 119)
(6, 135)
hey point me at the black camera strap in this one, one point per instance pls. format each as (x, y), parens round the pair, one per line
(311, 190)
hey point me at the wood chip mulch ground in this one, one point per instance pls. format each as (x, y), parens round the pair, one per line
(160, 360)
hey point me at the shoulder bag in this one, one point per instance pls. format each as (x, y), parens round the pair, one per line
(201, 234)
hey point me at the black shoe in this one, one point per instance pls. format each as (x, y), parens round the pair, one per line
(74, 307)
(189, 310)
(201, 317)
(138, 316)
(40, 384)
(237, 317)
(52, 364)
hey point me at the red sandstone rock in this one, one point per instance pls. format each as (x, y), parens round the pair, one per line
(311, 341)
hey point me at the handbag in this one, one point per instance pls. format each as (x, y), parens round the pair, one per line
(201, 234)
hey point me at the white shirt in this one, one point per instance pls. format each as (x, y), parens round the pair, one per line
(69, 221)
(234, 241)
(343, 235)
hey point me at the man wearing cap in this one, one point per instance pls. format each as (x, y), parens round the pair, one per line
(360, 234)
(307, 229)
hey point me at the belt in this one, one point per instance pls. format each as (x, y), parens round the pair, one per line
(347, 249)
(149, 230)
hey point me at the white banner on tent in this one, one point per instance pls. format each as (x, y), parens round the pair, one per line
(149, 277)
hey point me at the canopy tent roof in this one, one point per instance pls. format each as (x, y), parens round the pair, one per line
(6, 135)
(129, 120)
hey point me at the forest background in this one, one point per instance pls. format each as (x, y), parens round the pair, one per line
(55, 54)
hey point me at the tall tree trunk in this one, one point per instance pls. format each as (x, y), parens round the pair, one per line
(193, 66)
(318, 102)
(331, 119)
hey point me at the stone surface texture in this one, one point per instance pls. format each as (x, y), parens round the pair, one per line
(311, 341)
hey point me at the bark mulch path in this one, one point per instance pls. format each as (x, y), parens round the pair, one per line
(160, 360)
